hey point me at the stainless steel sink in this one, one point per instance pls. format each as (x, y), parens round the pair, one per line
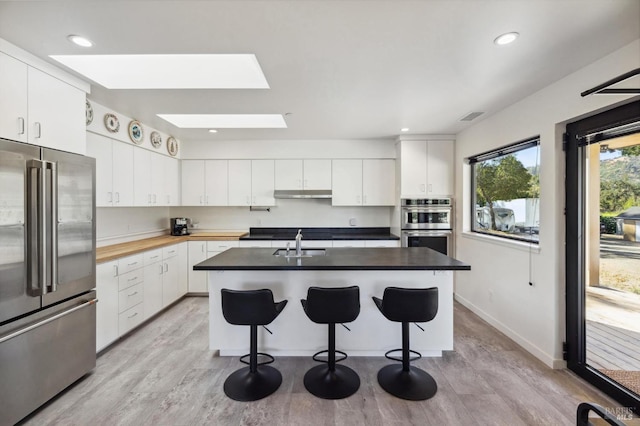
(304, 253)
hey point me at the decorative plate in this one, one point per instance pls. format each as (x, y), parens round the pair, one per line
(172, 146)
(88, 112)
(135, 132)
(156, 139)
(111, 123)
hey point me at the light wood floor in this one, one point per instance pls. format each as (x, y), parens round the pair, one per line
(164, 374)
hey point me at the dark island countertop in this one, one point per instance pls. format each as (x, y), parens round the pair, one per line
(336, 259)
(377, 233)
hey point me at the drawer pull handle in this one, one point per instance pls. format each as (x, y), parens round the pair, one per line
(154, 257)
(132, 279)
(131, 264)
(132, 294)
(131, 316)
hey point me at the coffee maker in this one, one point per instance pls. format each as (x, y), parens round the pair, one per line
(179, 226)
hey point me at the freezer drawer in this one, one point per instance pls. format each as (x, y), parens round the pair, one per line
(42, 354)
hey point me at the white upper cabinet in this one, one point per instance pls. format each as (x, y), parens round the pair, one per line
(114, 171)
(141, 177)
(363, 182)
(216, 182)
(56, 113)
(157, 182)
(239, 182)
(205, 183)
(262, 183)
(251, 182)
(378, 182)
(302, 174)
(288, 174)
(171, 188)
(13, 99)
(347, 183)
(426, 168)
(193, 182)
(317, 174)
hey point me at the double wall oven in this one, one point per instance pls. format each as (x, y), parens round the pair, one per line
(428, 222)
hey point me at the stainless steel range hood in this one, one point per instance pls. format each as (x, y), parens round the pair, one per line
(302, 193)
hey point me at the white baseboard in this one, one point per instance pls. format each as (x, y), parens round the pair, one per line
(523, 342)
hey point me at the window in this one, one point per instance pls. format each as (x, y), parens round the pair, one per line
(506, 191)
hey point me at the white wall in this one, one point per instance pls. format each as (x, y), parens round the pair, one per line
(287, 213)
(497, 286)
(119, 224)
(283, 149)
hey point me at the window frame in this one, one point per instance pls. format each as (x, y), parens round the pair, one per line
(490, 155)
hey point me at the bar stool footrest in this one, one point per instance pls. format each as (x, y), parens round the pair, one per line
(326, 361)
(269, 361)
(418, 355)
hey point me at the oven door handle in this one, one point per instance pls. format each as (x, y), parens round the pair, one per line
(426, 233)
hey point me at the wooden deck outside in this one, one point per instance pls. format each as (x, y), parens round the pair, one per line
(612, 348)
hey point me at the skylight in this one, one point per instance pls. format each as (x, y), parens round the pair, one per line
(207, 71)
(226, 121)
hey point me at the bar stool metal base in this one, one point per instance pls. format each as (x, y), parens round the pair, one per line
(243, 385)
(413, 385)
(327, 384)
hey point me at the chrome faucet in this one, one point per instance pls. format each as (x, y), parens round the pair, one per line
(299, 243)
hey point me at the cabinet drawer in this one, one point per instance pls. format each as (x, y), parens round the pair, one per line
(130, 297)
(130, 278)
(347, 243)
(130, 318)
(221, 245)
(255, 243)
(169, 251)
(382, 243)
(152, 256)
(130, 263)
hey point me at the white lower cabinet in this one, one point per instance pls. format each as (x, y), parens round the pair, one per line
(152, 288)
(197, 279)
(382, 243)
(107, 306)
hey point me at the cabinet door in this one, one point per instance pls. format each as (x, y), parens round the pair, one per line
(347, 182)
(413, 169)
(156, 178)
(56, 113)
(262, 183)
(192, 182)
(107, 307)
(171, 187)
(197, 279)
(99, 147)
(13, 98)
(288, 174)
(183, 269)
(378, 182)
(239, 182)
(170, 284)
(153, 289)
(142, 177)
(122, 166)
(317, 174)
(216, 183)
(440, 168)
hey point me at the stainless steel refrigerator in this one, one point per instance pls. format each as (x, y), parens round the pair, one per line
(47, 273)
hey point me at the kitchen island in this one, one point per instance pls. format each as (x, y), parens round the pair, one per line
(372, 269)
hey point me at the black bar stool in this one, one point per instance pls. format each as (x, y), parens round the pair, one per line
(252, 308)
(407, 305)
(332, 306)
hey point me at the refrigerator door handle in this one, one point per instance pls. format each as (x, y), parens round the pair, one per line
(35, 230)
(48, 320)
(53, 224)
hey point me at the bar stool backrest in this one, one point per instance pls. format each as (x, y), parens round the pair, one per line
(410, 304)
(248, 307)
(332, 305)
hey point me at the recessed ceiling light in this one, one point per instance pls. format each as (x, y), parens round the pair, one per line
(506, 38)
(224, 71)
(213, 131)
(226, 121)
(79, 40)
(404, 129)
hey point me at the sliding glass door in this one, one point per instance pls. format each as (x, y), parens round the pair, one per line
(603, 251)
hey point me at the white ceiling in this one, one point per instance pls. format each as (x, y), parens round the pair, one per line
(344, 69)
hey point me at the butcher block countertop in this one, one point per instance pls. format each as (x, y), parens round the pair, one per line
(115, 251)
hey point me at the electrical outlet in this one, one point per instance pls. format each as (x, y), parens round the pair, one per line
(353, 221)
